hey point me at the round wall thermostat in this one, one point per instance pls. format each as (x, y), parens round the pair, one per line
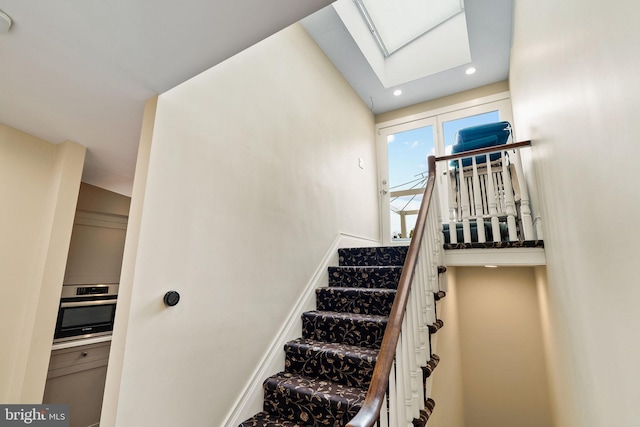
(171, 298)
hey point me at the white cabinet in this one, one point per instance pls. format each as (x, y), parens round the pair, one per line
(76, 378)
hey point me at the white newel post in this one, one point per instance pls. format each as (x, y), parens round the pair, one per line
(453, 235)
(508, 198)
(525, 209)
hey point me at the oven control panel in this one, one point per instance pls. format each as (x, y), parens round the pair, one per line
(92, 290)
(79, 291)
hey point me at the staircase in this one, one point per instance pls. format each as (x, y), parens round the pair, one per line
(328, 370)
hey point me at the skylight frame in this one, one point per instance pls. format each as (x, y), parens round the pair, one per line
(378, 37)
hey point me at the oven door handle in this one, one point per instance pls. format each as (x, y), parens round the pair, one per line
(86, 303)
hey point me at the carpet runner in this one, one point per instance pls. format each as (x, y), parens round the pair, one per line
(327, 371)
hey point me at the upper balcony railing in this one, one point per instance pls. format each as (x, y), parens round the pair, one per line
(485, 197)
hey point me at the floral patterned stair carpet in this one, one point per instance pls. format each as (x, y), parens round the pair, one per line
(328, 370)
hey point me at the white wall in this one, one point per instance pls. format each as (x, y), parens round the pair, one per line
(493, 368)
(576, 94)
(502, 351)
(448, 387)
(39, 185)
(253, 172)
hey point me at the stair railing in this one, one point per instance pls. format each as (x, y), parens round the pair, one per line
(480, 187)
(396, 394)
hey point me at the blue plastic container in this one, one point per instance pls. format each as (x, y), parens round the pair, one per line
(481, 136)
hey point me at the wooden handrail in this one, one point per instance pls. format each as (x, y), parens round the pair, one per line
(486, 150)
(372, 404)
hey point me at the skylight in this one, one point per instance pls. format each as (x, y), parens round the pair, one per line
(395, 24)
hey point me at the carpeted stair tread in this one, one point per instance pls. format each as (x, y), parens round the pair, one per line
(365, 277)
(364, 330)
(384, 255)
(425, 414)
(436, 326)
(344, 364)
(355, 300)
(430, 366)
(265, 419)
(439, 295)
(311, 401)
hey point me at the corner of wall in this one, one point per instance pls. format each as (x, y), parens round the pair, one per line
(116, 356)
(51, 254)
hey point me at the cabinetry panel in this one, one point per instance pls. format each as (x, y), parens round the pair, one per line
(76, 377)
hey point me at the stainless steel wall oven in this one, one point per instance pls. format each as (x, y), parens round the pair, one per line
(86, 311)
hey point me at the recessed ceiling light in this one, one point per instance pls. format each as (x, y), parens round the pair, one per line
(470, 71)
(491, 266)
(397, 92)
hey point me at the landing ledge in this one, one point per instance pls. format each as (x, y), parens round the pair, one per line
(496, 245)
(522, 253)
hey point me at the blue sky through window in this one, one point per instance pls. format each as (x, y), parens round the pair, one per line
(407, 156)
(407, 153)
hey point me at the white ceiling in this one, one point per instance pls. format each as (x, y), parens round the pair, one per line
(489, 28)
(81, 70)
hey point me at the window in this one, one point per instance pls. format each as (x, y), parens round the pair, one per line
(395, 24)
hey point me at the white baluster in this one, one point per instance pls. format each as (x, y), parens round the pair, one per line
(402, 383)
(420, 342)
(393, 397)
(437, 204)
(508, 199)
(420, 308)
(453, 235)
(493, 206)
(383, 420)
(418, 357)
(538, 222)
(410, 384)
(442, 283)
(499, 188)
(477, 200)
(414, 325)
(433, 234)
(464, 204)
(429, 386)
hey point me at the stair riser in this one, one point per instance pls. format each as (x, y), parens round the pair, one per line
(349, 277)
(297, 403)
(345, 331)
(378, 303)
(295, 408)
(352, 370)
(373, 256)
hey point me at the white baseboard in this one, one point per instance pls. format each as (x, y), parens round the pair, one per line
(250, 400)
